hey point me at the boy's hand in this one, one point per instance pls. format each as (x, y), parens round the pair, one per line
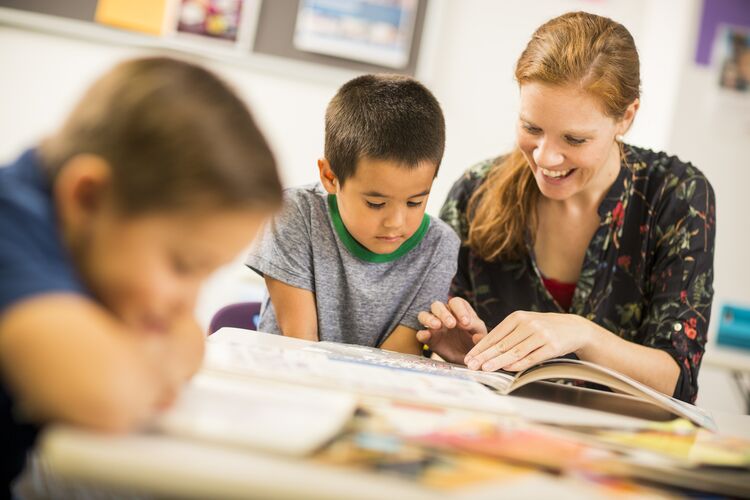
(453, 329)
(178, 354)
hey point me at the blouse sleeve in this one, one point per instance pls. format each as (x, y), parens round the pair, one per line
(453, 213)
(681, 279)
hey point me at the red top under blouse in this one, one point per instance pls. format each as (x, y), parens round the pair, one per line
(561, 292)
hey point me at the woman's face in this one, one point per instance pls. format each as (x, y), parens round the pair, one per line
(568, 141)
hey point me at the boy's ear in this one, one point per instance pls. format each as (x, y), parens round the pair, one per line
(82, 188)
(327, 177)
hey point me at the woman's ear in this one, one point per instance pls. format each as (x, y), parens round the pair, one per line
(81, 188)
(629, 116)
(327, 177)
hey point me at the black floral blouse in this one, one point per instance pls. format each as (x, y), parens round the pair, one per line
(648, 271)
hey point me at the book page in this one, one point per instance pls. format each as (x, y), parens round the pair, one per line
(281, 419)
(399, 376)
(576, 369)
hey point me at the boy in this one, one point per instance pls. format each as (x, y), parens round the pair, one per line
(109, 228)
(355, 258)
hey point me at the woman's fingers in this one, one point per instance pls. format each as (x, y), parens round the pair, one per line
(541, 354)
(501, 349)
(513, 355)
(509, 324)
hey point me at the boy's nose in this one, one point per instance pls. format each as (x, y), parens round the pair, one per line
(394, 219)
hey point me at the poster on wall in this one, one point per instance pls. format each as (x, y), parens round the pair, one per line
(714, 15)
(733, 57)
(212, 18)
(373, 31)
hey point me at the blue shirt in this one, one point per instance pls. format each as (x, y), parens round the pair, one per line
(33, 261)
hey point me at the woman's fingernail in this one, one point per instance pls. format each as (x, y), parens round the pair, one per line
(465, 320)
(473, 364)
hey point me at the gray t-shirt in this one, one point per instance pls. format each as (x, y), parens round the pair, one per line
(357, 301)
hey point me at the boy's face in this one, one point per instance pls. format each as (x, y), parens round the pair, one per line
(383, 203)
(148, 270)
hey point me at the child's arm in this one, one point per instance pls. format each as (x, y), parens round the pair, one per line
(67, 359)
(295, 309)
(403, 339)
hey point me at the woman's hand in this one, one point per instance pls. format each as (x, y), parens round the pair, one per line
(452, 329)
(526, 338)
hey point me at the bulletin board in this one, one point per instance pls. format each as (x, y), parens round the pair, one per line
(273, 35)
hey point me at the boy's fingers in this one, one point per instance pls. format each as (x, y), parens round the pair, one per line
(424, 336)
(477, 337)
(429, 320)
(462, 310)
(443, 314)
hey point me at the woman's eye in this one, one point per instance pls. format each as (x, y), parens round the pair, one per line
(532, 130)
(375, 205)
(574, 140)
(413, 204)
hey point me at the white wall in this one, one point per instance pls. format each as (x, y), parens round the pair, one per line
(473, 56)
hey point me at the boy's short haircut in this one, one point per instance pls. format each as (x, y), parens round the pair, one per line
(383, 117)
(175, 136)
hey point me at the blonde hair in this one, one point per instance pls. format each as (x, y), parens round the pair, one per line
(593, 52)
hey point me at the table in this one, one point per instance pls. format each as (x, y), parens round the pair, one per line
(162, 465)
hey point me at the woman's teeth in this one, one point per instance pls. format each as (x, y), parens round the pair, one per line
(556, 173)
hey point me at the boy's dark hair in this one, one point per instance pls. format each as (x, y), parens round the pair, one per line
(175, 136)
(383, 117)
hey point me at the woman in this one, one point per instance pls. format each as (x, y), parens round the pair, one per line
(575, 242)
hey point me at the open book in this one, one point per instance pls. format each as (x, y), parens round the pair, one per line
(506, 382)
(367, 370)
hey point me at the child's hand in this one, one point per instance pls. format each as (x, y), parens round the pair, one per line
(187, 344)
(453, 329)
(178, 355)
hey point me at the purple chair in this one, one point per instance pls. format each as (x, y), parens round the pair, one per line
(240, 315)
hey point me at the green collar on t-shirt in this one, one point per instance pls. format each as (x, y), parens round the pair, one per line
(359, 251)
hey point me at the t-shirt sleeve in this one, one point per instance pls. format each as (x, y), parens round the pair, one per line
(31, 263)
(283, 250)
(436, 281)
(682, 279)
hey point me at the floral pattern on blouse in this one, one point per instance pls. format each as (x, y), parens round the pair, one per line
(648, 271)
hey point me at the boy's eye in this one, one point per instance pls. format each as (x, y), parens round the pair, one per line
(375, 205)
(180, 266)
(413, 203)
(574, 141)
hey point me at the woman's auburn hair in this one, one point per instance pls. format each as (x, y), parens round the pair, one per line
(593, 52)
